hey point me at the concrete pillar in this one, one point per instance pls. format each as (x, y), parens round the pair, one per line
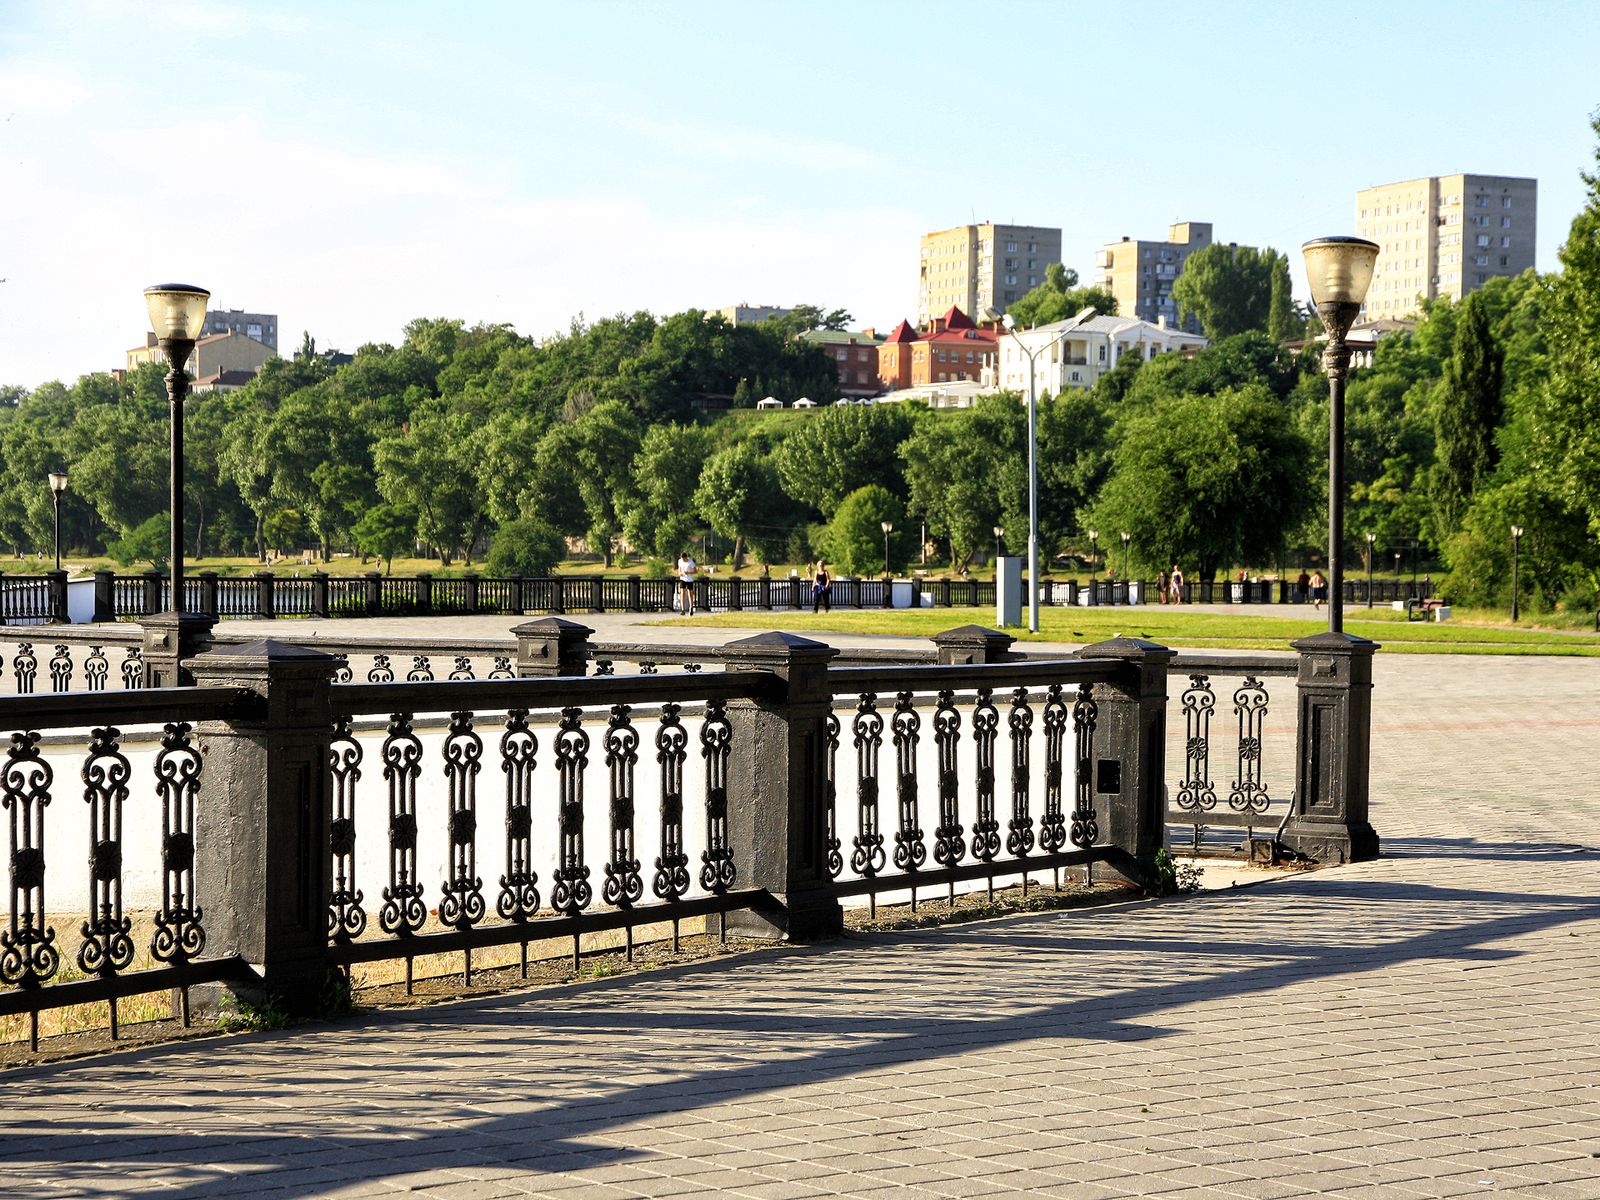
(209, 605)
(105, 596)
(170, 640)
(970, 644)
(551, 646)
(1329, 821)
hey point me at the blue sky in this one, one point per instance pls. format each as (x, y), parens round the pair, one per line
(352, 166)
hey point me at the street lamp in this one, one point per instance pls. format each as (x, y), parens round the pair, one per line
(58, 487)
(1339, 270)
(888, 528)
(993, 314)
(177, 314)
(1371, 537)
(999, 532)
(1094, 562)
(1516, 540)
(1126, 538)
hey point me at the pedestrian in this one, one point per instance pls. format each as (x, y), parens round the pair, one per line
(821, 587)
(687, 570)
(1177, 583)
(1302, 587)
(1161, 585)
(1319, 589)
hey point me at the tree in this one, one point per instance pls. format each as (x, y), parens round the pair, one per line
(855, 538)
(150, 541)
(841, 448)
(385, 530)
(1230, 288)
(1468, 410)
(965, 472)
(666, 472)
(1060, 297)
(741, 498)
(1284, 320)
(526, 547)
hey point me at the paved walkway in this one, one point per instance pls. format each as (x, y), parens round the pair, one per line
(1421, 1026)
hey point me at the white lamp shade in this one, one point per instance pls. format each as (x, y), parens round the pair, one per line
(58, 481)
(177, 310)
(1339, 269)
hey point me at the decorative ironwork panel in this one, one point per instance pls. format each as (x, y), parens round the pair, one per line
(403, 911)
(624, 886)
(132, 669)
(949, 846)
(26, 668)
(647, 668)
(342, 673)
(421, 670)
(671, 879)
(868, 857)
(717, 871)
(1085, 830)
(461, 903)
(96, 669)
(1249, 794)
(180, 933)
(572, 892)
(1019, 832)
(1053, 824)
(28, 955)
(985, 732)
(107, 945)
(463, 668)
(830, 793)
(1196, 793)
(61, 669)
(381, 671)
(910, 852)
(519, 890)
(347, 919)
(604, 666)
(502, 668)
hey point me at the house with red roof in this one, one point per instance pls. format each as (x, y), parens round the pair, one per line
(953, 348)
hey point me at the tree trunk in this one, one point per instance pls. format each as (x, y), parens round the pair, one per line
(327, 551)
(261, 538)
(738, 551)
(200, 531)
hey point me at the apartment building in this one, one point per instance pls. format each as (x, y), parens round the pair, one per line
(1445, 236)
(1087, 352)
(261, 327)
(214, 354)
(974, 267)
(1140, 274)
(953, 348)
(750, 314)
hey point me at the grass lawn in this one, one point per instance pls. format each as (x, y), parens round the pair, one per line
(1180, 628)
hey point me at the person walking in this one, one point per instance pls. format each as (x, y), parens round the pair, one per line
(687, 569)
(1161, 585)
(1319, 589)
(1177, 583)
(1302, 587)
(821, 587)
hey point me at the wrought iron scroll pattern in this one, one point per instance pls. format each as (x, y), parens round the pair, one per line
(949, 844)
(519, 887)
(28, 954)
(1196, 792)
(867, 857)
(180, 932)
(1085, 829)
(1249, 794)
(623, 886)
(985, 732)
(717, 871)
(461, 904)
(107, 942)
(132, 669)
(61, 669)
(1053, 824)
(25, 666)
(96, 669)
(910, 852)
(830, 795)
(671, 879)
(572, 891)
(403, 911)
(347, 919)
(1019, 832)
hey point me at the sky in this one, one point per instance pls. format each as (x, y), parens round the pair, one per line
(354, 166)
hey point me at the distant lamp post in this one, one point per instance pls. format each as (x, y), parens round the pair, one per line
(1126, 538)
(177, 314)
(1516, 541)
(1094, 560)
(1005, 319)
(1339, 270)
(999, 545)
(58, 488)
(888, 528)
(1371, 537)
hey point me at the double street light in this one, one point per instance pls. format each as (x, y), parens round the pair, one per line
(1339, 270)
(177, 314)
(993, 314)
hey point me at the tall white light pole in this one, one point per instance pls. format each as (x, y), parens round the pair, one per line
(1010, 325)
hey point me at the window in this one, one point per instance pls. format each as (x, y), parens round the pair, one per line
(1505, 222)
(1480, 220)
(1484, 239)
(1011, 247)
(1505, 201)
(969, 355)
(1033, 247)
(1505, 260)
(1011, 296)
(841, 355)
(1481, 260)
(861, 356)
(1505, 243)
(1481, 201)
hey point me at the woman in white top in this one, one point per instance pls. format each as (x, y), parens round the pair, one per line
(687, 570)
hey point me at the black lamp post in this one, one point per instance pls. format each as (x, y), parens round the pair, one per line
(1339, 270)
(888, 528)
(1516, 540)
(1126, 538)
(1094, 558)
(999, 546)
(58, 487)
(1371, 538)
(177, 314)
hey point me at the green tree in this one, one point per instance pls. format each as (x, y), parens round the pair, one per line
(666, 472)
(854, 540)
(150, 541)
(1468, 410)
(1229, 288)
(1060, 297)
(839, 449)
(740, 496)
(525, 547)
(385, 530)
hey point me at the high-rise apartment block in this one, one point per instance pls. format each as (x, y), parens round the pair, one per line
(974, 267)
(1140, 274)
(262, 327)
(1444, 235)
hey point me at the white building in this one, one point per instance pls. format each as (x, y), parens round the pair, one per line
(1087, 352)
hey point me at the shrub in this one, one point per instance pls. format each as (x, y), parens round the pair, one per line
(525, 547)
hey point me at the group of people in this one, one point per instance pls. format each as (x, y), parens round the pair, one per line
(1169, 585)
(688, 571)
(1313, 587)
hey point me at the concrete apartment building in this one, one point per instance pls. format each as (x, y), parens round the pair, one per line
(1140, 274)
(1079, 359)
(750, 314)
(262, 327)
(1444, 235)
(974, 267)
(215, 355)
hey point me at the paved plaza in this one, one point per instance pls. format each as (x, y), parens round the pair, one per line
(1425, 1025)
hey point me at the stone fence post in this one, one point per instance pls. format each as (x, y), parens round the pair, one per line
(551, 646)
(777, 774)
(105, 596)
(261, 836)
(57, 585)
(265, 606)
(970, 644)
(210, 604)
(1328, 821)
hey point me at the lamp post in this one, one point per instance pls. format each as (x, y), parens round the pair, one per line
(177, 314)
(58, 487)
(1339, 270)
(993, 314)
(888, 528)
(999, 546)
(1516, 540)
(1126, 538)
(1371, 537)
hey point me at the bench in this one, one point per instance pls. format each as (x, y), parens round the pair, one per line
(1430, 609)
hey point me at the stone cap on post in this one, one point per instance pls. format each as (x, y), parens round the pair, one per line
(969, 644)
(286, 675)
(1132, 648)
(1319, 655)
(552, 646)
(800, 661)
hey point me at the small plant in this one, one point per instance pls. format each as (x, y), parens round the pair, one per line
(1170, 879)
(337, 998)
(240, 1016)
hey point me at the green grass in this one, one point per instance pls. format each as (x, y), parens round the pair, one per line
(1212, 631)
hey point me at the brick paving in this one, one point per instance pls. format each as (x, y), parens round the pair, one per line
(1421, 1026)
